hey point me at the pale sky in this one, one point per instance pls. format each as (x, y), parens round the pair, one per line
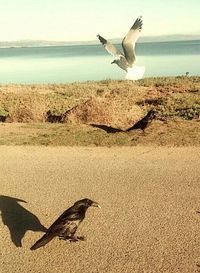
(82, 20)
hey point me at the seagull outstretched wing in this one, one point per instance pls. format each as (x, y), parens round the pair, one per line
(130, 39)
(110, 47)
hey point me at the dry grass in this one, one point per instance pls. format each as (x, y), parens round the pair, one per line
(114, 103)
(117, 95)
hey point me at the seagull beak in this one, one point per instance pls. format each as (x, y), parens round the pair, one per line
(113, 62)
(95, 204)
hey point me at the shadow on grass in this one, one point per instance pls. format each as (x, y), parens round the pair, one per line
(18, 219)
(107, 129)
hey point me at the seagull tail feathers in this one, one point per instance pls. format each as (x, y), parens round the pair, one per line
(135, 73)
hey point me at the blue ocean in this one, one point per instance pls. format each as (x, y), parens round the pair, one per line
(78, 63)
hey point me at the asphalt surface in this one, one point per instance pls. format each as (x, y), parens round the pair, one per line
(149, 221)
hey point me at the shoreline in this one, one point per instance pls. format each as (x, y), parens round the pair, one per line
(143, 40)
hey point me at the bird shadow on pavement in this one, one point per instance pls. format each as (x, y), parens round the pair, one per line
(18, 219)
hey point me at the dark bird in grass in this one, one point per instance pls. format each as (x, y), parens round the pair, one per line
(66, 225)
(144, 122)
(141, 124)
(2, 118)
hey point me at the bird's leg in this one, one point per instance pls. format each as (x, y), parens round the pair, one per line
(73, 239)
(143, 132)
(62, 237)
(77, 238)
(68, 238)
(81, 238)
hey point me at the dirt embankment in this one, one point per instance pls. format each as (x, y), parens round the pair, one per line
(116, 103)
(100, 113)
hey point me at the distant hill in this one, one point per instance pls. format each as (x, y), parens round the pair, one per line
(162, 38)
(32, 43)
(166, 38)
(43, 43)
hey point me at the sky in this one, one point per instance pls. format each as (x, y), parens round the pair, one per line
(82, 20)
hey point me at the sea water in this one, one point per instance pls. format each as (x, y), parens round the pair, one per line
(77, 63)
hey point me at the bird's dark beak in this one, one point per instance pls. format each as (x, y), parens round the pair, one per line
(113, 62)
(95, 204)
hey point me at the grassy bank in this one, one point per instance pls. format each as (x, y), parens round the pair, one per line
(61, 114)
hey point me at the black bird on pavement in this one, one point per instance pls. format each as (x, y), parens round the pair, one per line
(66, 225)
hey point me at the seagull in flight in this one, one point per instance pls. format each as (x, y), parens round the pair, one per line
(126, 59)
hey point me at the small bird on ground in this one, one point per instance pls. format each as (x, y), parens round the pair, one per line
(144, 122)
(141, 124)
(127, 59)
(66, 225)
(187, 74)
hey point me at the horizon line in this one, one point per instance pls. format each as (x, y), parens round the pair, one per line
(84, 41)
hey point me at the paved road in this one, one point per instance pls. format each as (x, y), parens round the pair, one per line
(148, 222)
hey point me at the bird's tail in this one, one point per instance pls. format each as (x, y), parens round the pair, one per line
(42, 241)
(135, 73)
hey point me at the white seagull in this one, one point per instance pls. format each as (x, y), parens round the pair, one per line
(127, 59)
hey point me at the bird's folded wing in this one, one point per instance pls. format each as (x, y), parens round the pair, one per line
(130, 39)
(110, 47)
(68, 215)
(64, 220)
